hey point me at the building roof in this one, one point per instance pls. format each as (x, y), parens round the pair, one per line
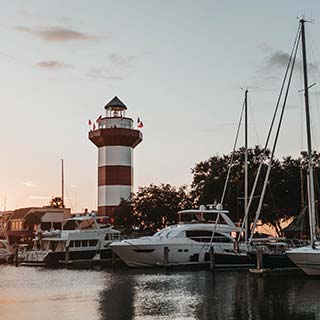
(20, 213)
(52, 216)
(115, 104)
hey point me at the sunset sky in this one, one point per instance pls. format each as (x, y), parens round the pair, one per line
(178, 65)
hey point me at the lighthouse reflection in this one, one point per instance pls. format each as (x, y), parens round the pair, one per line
(203, 295)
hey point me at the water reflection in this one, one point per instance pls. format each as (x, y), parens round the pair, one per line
(202, 295)
(31, 294)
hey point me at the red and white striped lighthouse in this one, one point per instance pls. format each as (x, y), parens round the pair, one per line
(115, 138)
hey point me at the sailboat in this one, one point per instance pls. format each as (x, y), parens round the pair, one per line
(308, 258)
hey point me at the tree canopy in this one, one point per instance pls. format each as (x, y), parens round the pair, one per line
(154, 207)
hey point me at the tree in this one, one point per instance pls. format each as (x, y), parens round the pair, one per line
(282, 198)
(156, 207)
(56, 202)
(124, 216)
(31, 220)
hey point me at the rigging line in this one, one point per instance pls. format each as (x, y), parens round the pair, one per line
(229, 169)
(232, 156)
(264, 151)
(301, 92)
(314, 65)
(275, 142)
(253, 121)
(69, 198)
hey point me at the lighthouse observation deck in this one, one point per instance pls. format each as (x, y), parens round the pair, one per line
(115, 133)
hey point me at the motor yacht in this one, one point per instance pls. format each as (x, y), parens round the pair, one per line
(187, 243)
(83, 237)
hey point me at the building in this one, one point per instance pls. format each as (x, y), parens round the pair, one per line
(115, 138)
(22, 223)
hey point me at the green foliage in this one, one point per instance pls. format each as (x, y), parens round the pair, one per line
(283, 196)
(56, 202)
(154, 207)
(31, 220)
(124, 216)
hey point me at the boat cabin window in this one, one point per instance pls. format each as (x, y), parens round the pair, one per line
(70, 225)
(52, 245)
(164, 232)
(205, 236)
(84, 243)
(198, 217)
(93, 243)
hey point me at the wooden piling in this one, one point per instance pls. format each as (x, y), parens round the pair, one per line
(67, 256)
(259, 259)
(16, 255)
(212, 264)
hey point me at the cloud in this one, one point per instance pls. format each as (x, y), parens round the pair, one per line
(120, 61)
(56, 34)
(278, 59)
(52, 65)
(103, 74)
(118, 66)
(29, 184)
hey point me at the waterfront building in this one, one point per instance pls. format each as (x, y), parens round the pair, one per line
(115, 138)
(21, 223)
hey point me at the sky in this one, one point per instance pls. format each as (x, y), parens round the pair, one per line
(179, 65)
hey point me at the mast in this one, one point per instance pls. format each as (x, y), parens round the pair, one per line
(62, 182)
(246, 164)
(311, 198)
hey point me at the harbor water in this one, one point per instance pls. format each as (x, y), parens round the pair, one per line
(37, 293)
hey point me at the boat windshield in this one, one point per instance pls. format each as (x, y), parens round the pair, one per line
(198, 217)
(166, 232)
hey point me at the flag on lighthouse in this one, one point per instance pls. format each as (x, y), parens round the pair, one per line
(89, 122)
(140, 123)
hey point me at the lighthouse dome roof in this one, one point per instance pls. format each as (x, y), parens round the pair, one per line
(115, 104)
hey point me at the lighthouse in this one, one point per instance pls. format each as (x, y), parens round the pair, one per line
(115, 138)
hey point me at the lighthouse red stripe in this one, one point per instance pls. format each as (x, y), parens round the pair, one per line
(107, 210)
(115, 137)
(115, 175)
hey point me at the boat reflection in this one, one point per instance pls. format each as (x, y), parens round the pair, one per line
(203, 295)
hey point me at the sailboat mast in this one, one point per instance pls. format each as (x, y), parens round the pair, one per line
(312, 215)
(246, 164)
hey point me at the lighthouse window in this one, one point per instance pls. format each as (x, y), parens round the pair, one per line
(78, 243)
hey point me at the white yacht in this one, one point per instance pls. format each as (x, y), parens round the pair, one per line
(187, 243)
(83, 238)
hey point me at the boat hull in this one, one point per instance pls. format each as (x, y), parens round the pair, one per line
(307, 259)
(152, 255)
(56, 259)
(273, 260)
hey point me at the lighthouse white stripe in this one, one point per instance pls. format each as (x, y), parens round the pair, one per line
(111, 195)
(115, 156)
